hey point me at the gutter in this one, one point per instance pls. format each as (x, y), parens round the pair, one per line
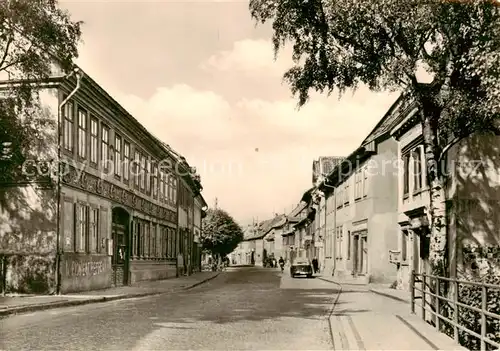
(79, 75)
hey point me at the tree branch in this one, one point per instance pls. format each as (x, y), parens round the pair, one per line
(6, 52)
(447, 147)
(10, 64)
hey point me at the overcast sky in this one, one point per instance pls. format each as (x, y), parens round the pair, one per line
(201, 77)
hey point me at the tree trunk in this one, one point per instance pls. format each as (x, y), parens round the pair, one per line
(437, 205)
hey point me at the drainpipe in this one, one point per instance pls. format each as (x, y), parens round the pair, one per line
(334, 241)
(334, 231)
(78, 74)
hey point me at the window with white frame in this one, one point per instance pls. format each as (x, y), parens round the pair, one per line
(148, 176)
(82, 133)
(81, 234)
(126, 160)
(417, 169)
(358, 185)
(118, 155)
(68, 126)
(155, 181)
(142, 175)
(174, 185)
(365, 182)
(161, 186)
(136, 168)
(104, 146)
(406, 174)
(94, 230)
(168, 191)
(94, 142)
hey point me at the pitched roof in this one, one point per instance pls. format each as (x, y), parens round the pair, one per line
(297, 209)
(294, 219)
(395, 114)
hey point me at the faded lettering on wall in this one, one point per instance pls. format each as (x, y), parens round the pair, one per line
(84, 269)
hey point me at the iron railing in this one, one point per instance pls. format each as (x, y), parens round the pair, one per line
(431, 288)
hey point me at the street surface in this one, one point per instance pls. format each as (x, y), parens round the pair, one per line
(243, 308)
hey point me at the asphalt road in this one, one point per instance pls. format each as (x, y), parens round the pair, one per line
(242, 309)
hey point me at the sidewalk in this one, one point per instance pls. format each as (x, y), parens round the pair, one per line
(12, 304)
(375, 317)
(380, 289)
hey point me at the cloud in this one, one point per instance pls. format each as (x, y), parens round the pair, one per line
(255, 150)
(251, 57)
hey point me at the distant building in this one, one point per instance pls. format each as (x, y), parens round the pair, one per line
(323, 166)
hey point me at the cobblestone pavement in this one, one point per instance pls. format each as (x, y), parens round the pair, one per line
(241, 309)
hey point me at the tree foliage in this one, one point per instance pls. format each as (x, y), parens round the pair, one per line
(339, 45)
(220, 233)
(34, 34)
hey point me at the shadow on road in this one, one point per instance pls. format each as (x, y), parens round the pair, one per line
(255, 295)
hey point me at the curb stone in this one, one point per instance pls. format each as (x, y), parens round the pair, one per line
(201, 282)
(389, 296)
(69, 303)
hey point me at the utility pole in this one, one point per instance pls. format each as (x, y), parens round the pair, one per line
(215, 203)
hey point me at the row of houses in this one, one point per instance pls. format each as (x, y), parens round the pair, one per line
(366, 215)
(121, 207)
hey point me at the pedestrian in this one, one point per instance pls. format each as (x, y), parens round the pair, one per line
(282, 264)
(315, 265)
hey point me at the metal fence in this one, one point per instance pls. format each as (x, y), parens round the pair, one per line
(439, 294)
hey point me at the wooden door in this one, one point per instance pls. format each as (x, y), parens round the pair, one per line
(119, 258)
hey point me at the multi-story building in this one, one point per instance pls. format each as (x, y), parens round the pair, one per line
(244, 253)
(362, 219)
(200, 207)
(291, 232)
(299, 229)
(273, 239)
(323, 166)
(472, 194)
(108, 214)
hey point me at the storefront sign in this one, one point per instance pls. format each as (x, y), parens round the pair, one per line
(84, 269)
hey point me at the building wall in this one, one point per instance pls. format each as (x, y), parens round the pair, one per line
(320, 237)
(473, 192)
(197, 236)
(149, 200)
(408, 242)
(384, 189)
(28, 213)
(475, 195)
(248, 247)
(259, 252)
(329, 248)
(370, 220)
(92, 187)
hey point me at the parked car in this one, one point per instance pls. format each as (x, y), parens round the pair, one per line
(301, 267)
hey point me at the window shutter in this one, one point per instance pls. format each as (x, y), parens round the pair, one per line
(104, 229)
(76, 228)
